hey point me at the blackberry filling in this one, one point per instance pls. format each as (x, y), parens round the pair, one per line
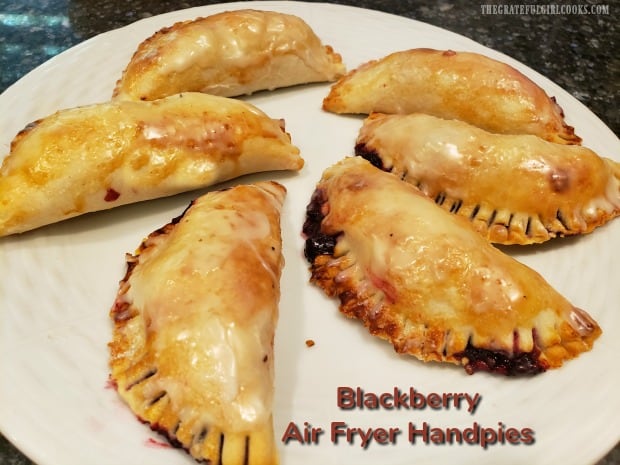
(370, 155)
(524, 363)
(317, 242)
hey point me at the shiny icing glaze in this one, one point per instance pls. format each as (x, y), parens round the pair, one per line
(218, 330)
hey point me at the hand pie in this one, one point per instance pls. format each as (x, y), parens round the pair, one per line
(424, 280)
(228, 54)
(194, 324)
(514, 189)
(452, 85)
(105, 155)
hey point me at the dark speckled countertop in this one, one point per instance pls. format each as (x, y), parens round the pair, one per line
(578, 52)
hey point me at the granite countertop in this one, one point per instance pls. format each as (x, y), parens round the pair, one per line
(578, 52)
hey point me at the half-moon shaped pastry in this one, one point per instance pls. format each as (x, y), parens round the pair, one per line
(194, 324)
(453, 85)
(228, 54)
(514, 189)
(104, 155)
(427, 282)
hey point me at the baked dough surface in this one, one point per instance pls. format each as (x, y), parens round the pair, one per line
(101, 156)
(515, 189)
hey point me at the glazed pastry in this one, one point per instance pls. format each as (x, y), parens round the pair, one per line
(105, 155)
(228, 54)
(194, 324)
(514, 189)
(452, 85)
(427, 282)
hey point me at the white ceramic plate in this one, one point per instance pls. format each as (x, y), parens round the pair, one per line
(58, 284)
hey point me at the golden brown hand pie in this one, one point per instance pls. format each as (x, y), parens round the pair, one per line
(427, 282)
(514, 189)
(452, 85)
(105, 155)
(194, 324)
(229, 54)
